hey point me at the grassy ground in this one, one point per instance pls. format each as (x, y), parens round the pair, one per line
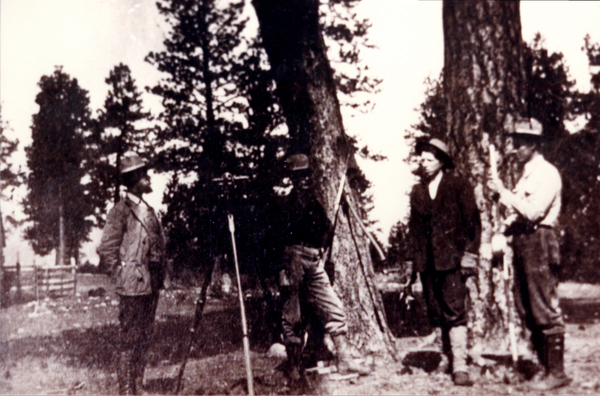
(67, 346)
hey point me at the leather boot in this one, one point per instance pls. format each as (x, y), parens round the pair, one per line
(293, 349)
(458, 345)
(345, 363)
(554, 345)
(125, 374)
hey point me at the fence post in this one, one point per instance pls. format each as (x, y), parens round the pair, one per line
(36, 280)
(18, 270)
(47, 279)
(74, 271)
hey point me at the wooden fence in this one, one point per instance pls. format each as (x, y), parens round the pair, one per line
(40, 281)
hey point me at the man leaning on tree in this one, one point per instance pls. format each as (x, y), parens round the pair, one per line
(132, 250)
(303, 280)
(445, 228)
(535, 203)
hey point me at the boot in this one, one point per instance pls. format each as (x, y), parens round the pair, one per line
(125, 374)
(554, 345)
(458, 345)
(345, 363)
(293, 349)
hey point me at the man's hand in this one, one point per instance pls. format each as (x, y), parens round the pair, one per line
(468, 264)
(495, 184)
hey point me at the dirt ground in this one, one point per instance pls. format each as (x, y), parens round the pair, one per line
(67, 346)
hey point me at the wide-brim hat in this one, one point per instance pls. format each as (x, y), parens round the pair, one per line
(528, 127)
(440, 147)
(297, 162)
(131, 163)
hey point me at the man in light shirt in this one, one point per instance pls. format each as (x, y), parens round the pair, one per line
(535, 203)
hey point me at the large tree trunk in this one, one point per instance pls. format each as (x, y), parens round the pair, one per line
(2, 242)
(483, 80)
(306, 91)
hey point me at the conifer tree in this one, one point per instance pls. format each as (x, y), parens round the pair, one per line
(58, 202)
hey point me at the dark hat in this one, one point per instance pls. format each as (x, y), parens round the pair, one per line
(297, 162)
(132, 162)
(529, 127)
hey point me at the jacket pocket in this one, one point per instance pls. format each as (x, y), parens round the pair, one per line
(131, 278)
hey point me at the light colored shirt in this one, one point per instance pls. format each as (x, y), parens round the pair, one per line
(434, 184)
(537, 195)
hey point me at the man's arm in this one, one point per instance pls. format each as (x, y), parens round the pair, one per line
(535, 206)
(112, 237)
(471, 218)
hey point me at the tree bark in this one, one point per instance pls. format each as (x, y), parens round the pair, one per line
(2, 242)
(306, 91)
(483, 80)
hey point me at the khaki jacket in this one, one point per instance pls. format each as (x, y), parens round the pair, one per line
(133, 247)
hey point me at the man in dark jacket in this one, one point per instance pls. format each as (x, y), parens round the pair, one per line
(445, 229)
(133, 251)
(303, 279)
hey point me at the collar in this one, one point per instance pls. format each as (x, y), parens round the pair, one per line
(533, 164)
(135, 199)
(434, 184)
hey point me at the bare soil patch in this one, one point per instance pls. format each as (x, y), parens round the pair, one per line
(67, 346)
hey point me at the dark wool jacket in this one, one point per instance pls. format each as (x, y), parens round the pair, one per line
(443, 229)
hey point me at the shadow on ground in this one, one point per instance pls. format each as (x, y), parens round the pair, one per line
(220, 332)
(580, 310)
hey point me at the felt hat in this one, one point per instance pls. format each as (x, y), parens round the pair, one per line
(528, 127)
(297, 162)
(132, 162)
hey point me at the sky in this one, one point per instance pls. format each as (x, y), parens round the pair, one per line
(88, 38)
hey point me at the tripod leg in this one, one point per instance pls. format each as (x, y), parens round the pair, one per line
(194, 328)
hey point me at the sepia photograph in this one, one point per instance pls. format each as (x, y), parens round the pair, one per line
(297, 197)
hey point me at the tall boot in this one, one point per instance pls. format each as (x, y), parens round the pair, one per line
(293, 349)
(554, 345)
(345, 363)
(125, 373)
(458, 344)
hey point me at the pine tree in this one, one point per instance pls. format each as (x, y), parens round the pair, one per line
(58, 202)
(220, 116)
(9, 178)
(119, 124)
(292, 37)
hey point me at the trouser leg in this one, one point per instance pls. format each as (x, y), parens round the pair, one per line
(125, 373)
(135, 325)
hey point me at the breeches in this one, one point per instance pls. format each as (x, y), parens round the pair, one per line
(310, 287)
(136, 317)
(536, 284)
(447, 297)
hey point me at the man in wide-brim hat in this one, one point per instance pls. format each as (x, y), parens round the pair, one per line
(535, 203)
(133, 251)
(444, 228)
(303, 280)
